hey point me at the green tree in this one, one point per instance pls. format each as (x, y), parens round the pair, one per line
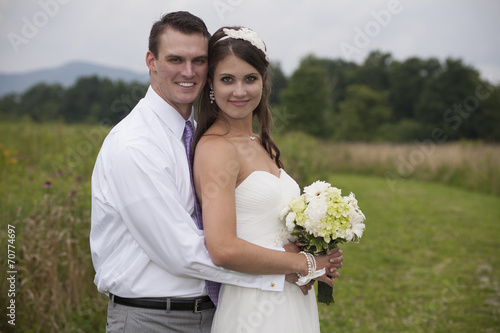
(444, 101)
(42, 102)
(306, 100)
(489, 112)
(278, 83)
(80, 98)
(340, 74)
(10, 107)
(375, 71)
(407, 81)
(362, 114)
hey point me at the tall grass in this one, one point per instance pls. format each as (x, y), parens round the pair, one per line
(468, 165)
(45, 189)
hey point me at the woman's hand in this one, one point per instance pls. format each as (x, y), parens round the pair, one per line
(332, 262)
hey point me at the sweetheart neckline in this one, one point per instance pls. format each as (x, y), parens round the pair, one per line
(262, 171)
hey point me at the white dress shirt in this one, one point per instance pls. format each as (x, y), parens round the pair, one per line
(144, 239)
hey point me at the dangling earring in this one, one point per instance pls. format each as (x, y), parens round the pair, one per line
(212, 97)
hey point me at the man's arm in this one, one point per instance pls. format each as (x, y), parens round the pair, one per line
(158, 221)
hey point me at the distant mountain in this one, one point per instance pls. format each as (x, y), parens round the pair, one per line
(65, 75)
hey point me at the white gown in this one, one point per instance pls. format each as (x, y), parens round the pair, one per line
(259, 201)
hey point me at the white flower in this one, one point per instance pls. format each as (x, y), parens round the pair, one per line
(290, 221)
(312, 227)
(282, 237)
(357, 226)
(284, 211)
(316, 189)
(316, 210)
(351, 199)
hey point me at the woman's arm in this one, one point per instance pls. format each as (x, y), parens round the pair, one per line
(216, 169)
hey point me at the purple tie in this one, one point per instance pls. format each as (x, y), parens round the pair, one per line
(212, 287)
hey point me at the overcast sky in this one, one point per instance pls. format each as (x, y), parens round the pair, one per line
(37, 34)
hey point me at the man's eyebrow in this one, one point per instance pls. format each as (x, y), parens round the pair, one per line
(182, 57)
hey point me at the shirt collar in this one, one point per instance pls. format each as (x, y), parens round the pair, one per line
(172, 119)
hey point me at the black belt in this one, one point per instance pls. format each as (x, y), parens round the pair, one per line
(177, 304)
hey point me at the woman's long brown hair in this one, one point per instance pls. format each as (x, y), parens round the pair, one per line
(208, 113)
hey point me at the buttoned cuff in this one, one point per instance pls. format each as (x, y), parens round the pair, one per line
(275, 282)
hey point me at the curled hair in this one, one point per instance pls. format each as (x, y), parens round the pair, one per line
(182, 21)
(218, 50)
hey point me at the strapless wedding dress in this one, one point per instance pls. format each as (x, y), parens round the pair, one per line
(259, 201)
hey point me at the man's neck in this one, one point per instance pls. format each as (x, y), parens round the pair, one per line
(183, 109)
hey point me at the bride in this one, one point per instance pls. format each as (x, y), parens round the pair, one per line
(242, 187)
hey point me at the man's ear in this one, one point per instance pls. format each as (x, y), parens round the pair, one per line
(151, 61)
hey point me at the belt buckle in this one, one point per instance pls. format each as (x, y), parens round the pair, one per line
(195, 310)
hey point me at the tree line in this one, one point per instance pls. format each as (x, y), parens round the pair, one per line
(381, 99)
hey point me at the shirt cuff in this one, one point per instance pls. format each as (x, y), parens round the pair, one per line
(275, 282)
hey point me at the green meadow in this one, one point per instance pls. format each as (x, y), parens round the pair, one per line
(427, 262)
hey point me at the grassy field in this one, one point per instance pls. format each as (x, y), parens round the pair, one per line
(428, 261)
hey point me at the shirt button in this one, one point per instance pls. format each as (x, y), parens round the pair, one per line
(272, 284)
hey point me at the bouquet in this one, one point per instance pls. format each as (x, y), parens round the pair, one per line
(320, 219)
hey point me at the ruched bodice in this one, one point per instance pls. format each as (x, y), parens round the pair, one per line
(259, 201)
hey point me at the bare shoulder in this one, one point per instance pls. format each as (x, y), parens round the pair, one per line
(210, 145)
(216, 152)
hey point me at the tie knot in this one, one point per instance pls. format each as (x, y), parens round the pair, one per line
(188, 130)
(188, 134)
(188, 139)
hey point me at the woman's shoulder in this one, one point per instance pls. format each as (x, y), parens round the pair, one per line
(216, 147)
(215, 142)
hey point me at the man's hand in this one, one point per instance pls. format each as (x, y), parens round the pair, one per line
(290, 247)
(292, 278)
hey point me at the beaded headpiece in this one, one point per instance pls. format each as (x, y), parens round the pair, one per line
(246, 34)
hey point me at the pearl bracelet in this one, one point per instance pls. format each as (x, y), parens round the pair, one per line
(312, 273)
(311, 266)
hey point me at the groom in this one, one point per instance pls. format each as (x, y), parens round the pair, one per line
(148, 253)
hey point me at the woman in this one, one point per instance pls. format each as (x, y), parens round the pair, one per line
(242, 188)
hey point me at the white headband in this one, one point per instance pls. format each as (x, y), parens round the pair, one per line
(248, 35)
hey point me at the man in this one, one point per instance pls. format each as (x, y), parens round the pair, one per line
(147, 250)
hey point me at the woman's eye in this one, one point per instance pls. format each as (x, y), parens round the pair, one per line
(226, 79)
(251, 78)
